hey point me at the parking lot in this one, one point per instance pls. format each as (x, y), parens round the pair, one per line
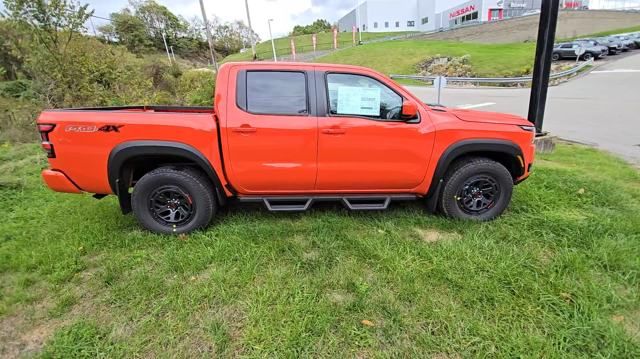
(577, 110)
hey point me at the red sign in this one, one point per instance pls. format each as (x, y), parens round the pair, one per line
(462, 11)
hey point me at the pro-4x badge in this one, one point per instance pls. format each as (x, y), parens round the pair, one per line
(90, 128)
(110, 128)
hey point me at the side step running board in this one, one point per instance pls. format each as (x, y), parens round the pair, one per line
(303, 203)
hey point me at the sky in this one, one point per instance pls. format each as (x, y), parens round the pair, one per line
(285, 13)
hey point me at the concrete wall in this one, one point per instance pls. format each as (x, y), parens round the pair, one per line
(570, 24)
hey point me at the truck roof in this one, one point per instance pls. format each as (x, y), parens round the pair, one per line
(288, 64)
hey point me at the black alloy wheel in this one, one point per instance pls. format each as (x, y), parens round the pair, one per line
(170, 205)
(478, 194)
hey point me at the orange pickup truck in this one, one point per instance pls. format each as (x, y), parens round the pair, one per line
(288, 135)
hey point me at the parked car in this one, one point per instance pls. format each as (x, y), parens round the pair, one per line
(627, 42)
(635, 36)
(288, 135)
(567, 50)
(613, 46)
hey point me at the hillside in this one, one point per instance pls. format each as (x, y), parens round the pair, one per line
(401, 57)
(304, 44)
(571, 24)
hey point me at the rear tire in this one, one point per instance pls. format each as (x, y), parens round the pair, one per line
(168, 200)
(477, 189)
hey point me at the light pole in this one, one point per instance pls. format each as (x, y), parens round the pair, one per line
(253, 41)
(273, 44)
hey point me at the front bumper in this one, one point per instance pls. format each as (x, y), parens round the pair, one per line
(59, 182)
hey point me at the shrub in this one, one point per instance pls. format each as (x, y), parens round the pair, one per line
(20, 89)
(446, 66)
(196, 87)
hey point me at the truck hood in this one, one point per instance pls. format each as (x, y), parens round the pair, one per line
(489, 117)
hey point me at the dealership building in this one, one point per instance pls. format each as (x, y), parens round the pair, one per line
(430, 15)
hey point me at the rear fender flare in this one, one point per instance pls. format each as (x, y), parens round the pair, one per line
(134, 149)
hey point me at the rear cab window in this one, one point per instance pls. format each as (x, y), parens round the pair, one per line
(269, 92)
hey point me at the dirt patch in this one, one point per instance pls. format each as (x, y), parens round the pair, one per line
(19, 336)
(340, 298)
(630, 323)
(25, 332)
(434, 235)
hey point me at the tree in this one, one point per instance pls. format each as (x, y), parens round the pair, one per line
(130, 31)
(320, 25)
(54, 23)
(157, 20)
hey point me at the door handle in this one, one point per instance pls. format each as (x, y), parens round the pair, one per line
(333, 131)
(244, 129)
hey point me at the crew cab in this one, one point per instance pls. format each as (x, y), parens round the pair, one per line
(288, 135)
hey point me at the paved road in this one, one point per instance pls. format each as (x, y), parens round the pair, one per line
(601, 108)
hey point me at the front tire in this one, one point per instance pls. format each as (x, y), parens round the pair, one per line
(173, 201)
(587, 56)
(477, 189)
(555, 57)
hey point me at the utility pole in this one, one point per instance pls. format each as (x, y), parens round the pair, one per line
(273, 44)
(164, 39)
(253, 40)
(212, 51)
(173, 54)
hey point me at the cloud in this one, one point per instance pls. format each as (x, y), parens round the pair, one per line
(285, 13)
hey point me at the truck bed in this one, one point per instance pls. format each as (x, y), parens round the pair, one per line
(142, 108)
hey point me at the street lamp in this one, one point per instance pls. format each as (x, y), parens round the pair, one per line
(358, 22)
(273, 45)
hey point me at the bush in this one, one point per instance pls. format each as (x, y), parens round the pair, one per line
(196, 87)
(446, 66)
(20, 89)
(17, 120)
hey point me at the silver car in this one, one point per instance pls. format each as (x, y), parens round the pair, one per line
(627, 42)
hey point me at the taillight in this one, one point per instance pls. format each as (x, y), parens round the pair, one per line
(47, 146)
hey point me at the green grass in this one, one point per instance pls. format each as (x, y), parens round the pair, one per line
(304, 44)
(401, 56)
(615, 31)
(557, 276)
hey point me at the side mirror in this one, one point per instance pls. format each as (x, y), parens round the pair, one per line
(409, 110)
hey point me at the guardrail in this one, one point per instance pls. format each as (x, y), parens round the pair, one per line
(496, 80)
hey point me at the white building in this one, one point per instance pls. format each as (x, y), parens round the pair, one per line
(430, 15)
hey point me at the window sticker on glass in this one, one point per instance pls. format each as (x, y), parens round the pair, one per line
(358, 101)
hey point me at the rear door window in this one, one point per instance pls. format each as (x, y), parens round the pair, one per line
(277, 93)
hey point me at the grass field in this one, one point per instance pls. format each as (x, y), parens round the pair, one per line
(557, 276)
(304, 44)
(616, 31)
(400, 57)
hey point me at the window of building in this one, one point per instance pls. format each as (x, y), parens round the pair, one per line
(397, 23)
(386, 24)
(424, 20)
(411, 23)
(362, 96)
(375, 25)
(275, 92)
